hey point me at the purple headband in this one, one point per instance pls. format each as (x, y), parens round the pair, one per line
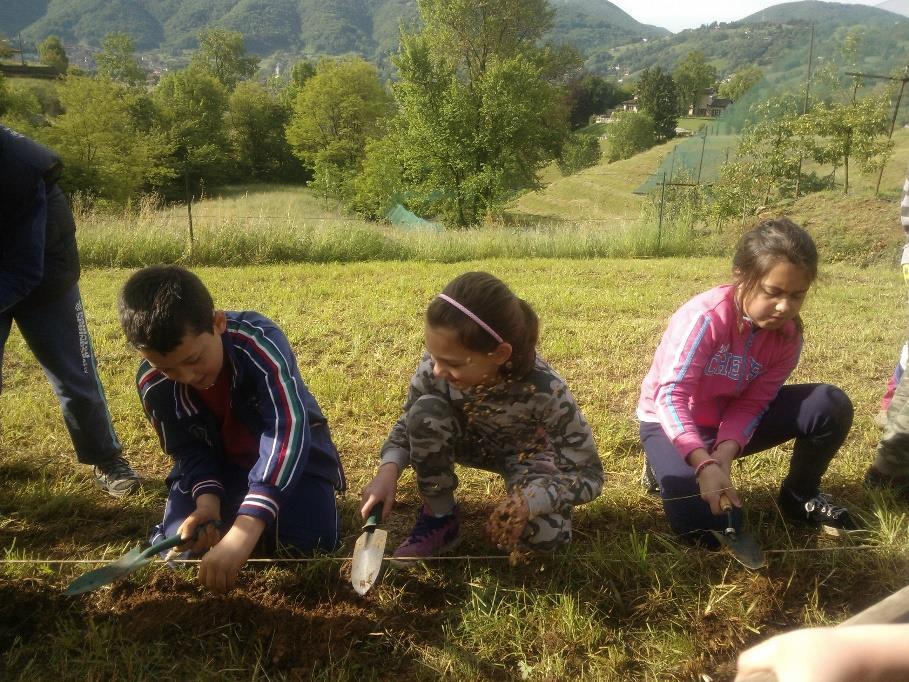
(489, 330)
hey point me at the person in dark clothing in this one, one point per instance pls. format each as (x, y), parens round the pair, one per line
(39, 291)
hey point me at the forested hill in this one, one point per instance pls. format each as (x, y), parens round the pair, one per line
(305, 27)
(815, 11)
(776, 40)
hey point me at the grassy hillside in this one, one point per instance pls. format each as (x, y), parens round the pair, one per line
(625, 602)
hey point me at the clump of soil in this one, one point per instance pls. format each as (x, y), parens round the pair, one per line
(505, 523)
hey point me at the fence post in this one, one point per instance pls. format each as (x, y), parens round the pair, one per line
(189, 213)
(660, 223)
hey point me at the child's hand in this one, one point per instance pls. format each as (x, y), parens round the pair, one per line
(714, 482)
(220, 566)
(208, 508)
(871, 653)
(507, 521)
(382, 489)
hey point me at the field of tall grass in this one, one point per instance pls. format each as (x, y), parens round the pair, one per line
(624, 602)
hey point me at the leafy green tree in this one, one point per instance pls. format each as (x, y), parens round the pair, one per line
(741, 82)
(579, 152)
(255, 122)
(658, 98)
(692, 76)
(301, 72)
(6, 50)
(481, 105)
(380, 182)
(222, 53)
(334, 114)
(589, 95)
(773, 145)
(850, 131)
(105, 154)
(190, 107)
(630, 133)
(117, 60)
(51, 52)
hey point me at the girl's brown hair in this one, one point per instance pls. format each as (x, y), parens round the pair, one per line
(492, 301)
(763, 247)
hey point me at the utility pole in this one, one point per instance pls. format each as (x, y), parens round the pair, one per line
(798, 177)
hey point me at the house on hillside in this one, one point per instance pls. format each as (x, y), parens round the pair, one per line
(709, 104)
(629, 105)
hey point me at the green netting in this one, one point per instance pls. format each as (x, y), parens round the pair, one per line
(694, 159)
(401, 217)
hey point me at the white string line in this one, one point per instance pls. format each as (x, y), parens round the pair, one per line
(459, 557)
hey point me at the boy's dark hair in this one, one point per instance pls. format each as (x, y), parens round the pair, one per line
(763, 247)
(492, 301)
(160, 304)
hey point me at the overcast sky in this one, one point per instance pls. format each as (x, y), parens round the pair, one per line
(677, 15)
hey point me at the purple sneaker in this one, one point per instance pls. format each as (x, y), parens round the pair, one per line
(431, 536)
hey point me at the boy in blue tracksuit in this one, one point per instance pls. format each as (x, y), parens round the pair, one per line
(250, 445)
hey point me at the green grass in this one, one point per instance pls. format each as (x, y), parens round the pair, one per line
(623, 602)
(265, 224)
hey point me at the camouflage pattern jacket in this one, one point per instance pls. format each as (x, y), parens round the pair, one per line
(534, 417)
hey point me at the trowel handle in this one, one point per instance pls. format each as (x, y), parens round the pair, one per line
(176, 540)
(725, 503)
(726, 506)
(375, 515)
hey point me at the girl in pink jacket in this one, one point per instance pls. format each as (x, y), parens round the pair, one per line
(715, 391)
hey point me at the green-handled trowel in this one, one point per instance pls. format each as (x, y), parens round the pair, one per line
(368, 552)
(133, 560)
(744, 548)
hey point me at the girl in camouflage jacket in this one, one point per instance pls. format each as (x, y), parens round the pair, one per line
(482, 397)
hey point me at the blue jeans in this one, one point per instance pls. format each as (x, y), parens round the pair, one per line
(308, 518)
(57, 334)
(817, 416)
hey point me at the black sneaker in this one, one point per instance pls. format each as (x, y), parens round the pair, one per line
(818, 510)
(878, 480)
(648, 480)
(116, 477)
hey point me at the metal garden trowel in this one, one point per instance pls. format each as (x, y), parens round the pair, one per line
(133, 560)
(368, 552)
(744, 548)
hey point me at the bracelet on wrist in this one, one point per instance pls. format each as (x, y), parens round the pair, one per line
(705, 463)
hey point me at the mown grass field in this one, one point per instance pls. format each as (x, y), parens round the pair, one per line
(624, 602)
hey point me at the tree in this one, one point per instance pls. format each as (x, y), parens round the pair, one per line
(105, 154)
(579, 152)
(255, 123)
(334, 114)
(222, 53)
(190, 107)
(51, 52)
(692, 76)
(629, 134)
(117, 60)
(301, 72)
(481, 105)
(591, 94)
(856, 131)
(658, 98)
(773, 145)
(741, 82)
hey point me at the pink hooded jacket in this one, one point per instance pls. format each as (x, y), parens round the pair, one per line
(715, 369)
